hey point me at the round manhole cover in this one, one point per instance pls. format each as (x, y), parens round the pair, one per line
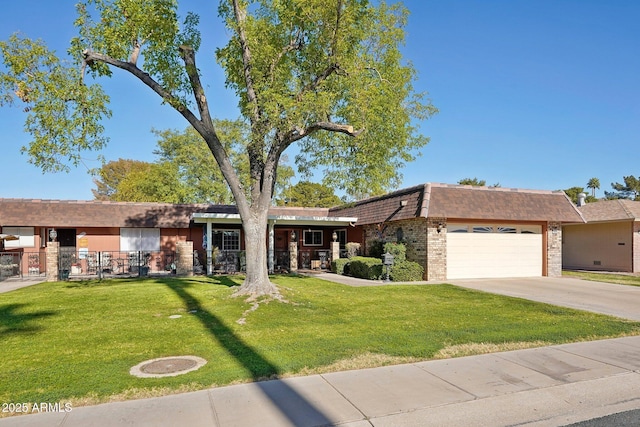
(167, 366)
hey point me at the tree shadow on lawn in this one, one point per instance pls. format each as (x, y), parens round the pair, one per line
(12, 322)
(288, 401)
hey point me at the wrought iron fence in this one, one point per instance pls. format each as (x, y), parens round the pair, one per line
(115, 263)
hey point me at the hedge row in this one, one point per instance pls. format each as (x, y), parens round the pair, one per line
(372, 269)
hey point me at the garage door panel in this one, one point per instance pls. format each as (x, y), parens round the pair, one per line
(478, 255)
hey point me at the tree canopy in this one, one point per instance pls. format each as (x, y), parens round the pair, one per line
(628, 189)
(327, 75)
(308, 194)
(574, 193)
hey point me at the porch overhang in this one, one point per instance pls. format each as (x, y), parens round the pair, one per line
(290, 220)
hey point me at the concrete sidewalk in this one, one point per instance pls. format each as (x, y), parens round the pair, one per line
(550, 386)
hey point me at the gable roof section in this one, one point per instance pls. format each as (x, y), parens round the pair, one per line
(611, 210)
(465, 202)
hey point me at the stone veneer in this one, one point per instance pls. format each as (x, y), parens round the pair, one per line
(554, 249)
(184, 258)
(53, 249)
(414, 234)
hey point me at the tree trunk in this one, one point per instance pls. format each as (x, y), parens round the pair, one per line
(257, 281)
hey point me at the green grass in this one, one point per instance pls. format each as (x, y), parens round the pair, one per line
(621, 279)
(76, 341)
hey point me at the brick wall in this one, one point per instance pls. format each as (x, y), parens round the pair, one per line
(413, 233)
(554, 249)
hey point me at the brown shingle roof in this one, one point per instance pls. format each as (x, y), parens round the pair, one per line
(611, 210)
(465, 202)
(73, 213)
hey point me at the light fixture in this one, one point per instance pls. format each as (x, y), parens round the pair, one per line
(81, 235)
(334, 236)
(53, 234)
(293, 235)
(440, 227)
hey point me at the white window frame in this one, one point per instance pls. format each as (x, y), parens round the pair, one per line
(311, 241)
(140, 239)
(26, 237)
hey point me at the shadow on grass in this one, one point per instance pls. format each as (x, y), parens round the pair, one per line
(288, 401)
(12, 322)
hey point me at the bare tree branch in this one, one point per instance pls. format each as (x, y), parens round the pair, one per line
(189, 57)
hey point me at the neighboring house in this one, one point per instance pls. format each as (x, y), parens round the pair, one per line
(609, 241)
(452, 231)
(459, 232)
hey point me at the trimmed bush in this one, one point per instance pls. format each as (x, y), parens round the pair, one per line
(366, 267)
(353, 248)
(398, 250)
(377, 249)
(406, 271)
(338, 265)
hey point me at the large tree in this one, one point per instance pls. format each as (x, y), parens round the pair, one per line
(628, 189)
(325, 74)
(308, 194)
(593, 185)
(108, 177)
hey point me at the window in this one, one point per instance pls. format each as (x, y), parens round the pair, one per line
(226, 240)
(312, 237)
(505, 229)
(452, 228)
(25, 236)
(483, 229)
(531, 229)
(139, 239)
(342, 238)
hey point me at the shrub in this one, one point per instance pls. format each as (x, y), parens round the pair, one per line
(353, 248)
(338, 265)
(377, 249)
(398, 250)
(366, 267)
(406, 271)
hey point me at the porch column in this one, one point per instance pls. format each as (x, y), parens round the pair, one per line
(293, 256)
(335, 251)
(52, 252)
(209, 250)
(184, 255)
(271, 258)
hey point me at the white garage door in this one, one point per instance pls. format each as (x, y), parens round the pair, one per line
(482, 251)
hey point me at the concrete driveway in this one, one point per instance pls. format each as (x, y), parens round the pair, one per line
(606, 298)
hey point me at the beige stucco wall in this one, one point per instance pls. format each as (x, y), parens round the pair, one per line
(602, 246)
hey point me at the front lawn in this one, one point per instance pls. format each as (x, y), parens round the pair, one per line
(621, 279)
(76, 341)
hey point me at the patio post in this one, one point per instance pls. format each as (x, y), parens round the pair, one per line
(270, 259)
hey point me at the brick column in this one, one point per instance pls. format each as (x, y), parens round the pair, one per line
(436, 249)
(554, 249)
(184, 258)
(293, 256)
(335, 250)
(52, 252)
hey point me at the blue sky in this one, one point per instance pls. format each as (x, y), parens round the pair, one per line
(532, 94)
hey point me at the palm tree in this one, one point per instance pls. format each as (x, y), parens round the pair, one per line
(593, 184)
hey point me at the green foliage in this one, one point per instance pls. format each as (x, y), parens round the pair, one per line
(308, 194)
(398, 250)
(314, 63)
(630, 189)
(593, 184)
(406, 271)
(108, 177)
(338, 265)
(365, 267)
(574, 192)
(473, 181)
(64, 114)
(155, 182)
(376, 249)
